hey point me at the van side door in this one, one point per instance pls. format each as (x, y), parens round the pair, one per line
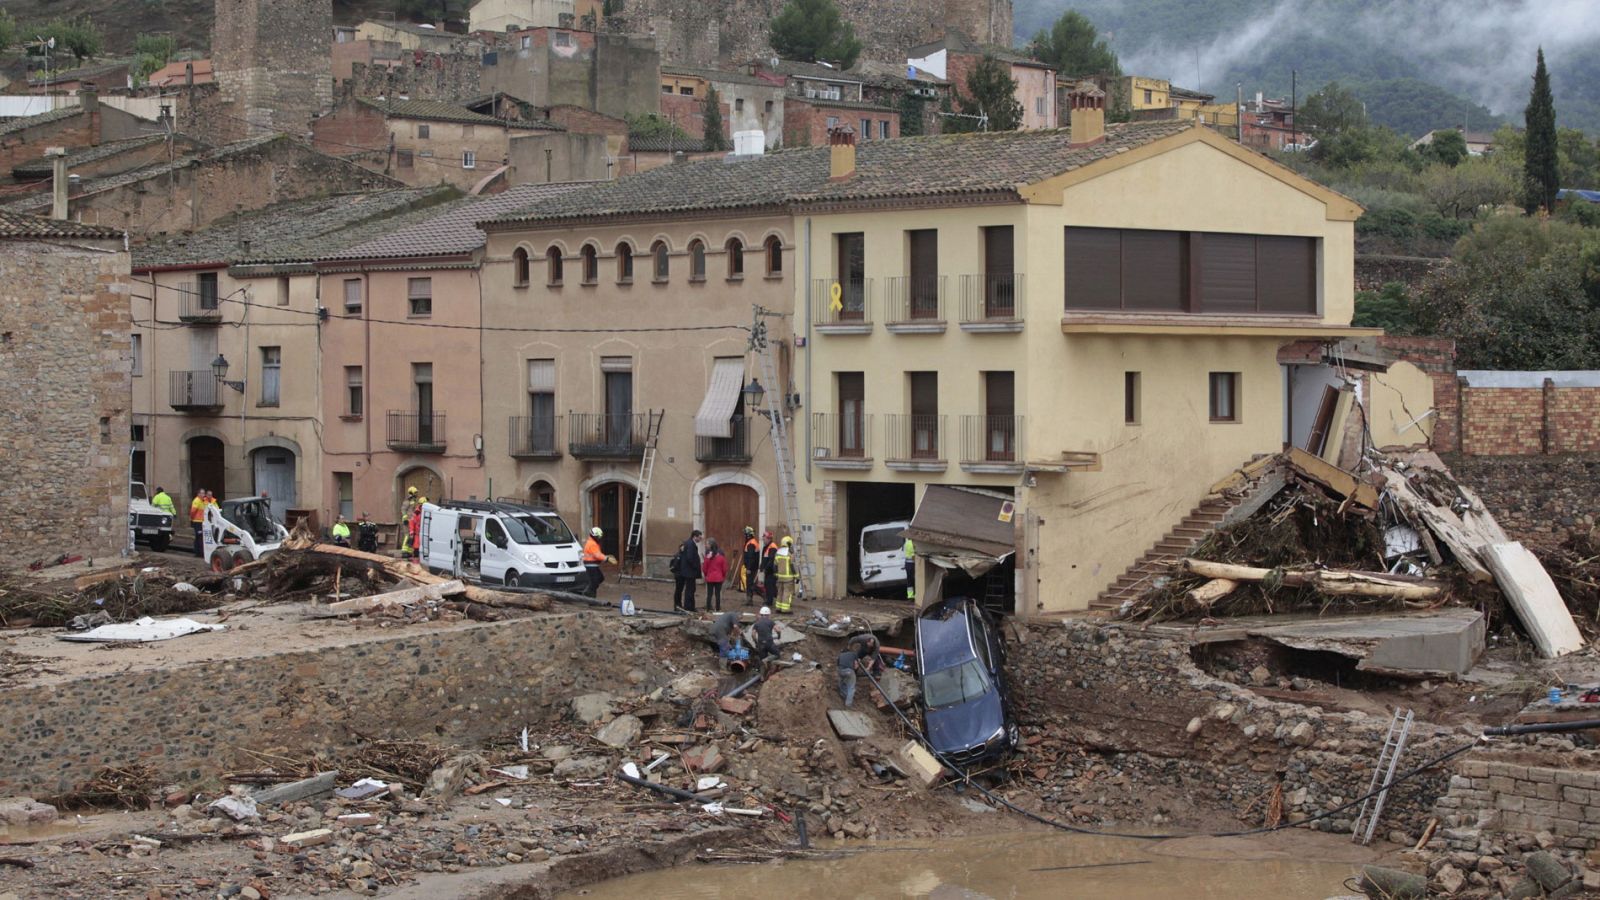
(497, 551)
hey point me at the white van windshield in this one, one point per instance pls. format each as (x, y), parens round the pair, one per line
(528, 530)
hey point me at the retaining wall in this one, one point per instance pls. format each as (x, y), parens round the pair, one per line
(1524, 799)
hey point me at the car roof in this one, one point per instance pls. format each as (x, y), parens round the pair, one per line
(945, 635)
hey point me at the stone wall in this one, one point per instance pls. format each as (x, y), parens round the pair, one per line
(1542, 499)
(1509, 793)
(66, 363)
(419, 75)
(465, 685)
(1373, 271)
(273, 61)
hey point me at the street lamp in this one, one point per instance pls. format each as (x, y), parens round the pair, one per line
(219, 368)
(753, 394)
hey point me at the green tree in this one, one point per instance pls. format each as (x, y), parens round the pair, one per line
(1388, 308)
(8, 30)
(78, 37)
(1580, 159)
(1332, 111)
(712, 118)
(812, 31)
(151, 52)
(1448, 147)
(654, 125)
(1458, 192)
(1541, 163)
(992, 93)
(1073, 47)
(911, 108)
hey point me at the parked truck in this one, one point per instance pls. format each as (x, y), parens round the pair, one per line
(147, 523)
(240, 531)
(500, 543)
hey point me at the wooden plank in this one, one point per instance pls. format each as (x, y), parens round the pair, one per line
(1533, 595)
(1442, 522)
(321, 783)
(398, 598)
(84, 581)
(1334, 478)
(1244, 473)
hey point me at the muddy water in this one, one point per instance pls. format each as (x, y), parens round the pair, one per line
(1018, 867)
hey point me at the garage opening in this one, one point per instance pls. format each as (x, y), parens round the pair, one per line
(873, 503)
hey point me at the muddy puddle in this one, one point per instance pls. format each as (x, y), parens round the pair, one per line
(1022, 866)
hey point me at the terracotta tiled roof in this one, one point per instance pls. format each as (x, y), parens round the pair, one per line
(439, 111)
(907, 167)
(36, 201)
(452, 228)
(639, 143)
(20, 225)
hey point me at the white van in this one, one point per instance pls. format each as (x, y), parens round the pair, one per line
(883, 558)
(500, 543)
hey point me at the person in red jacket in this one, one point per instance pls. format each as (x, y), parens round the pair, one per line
(715, 571)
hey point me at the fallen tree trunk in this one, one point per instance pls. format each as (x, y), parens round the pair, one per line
(1328, 581)
(1212, 591)
(399, 597)
(416, 574)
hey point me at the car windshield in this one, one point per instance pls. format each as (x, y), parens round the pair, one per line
(882, 540)
(136, 491)
(537, 529)
(957, 684)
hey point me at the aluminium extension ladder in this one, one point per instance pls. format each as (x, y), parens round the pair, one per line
(1394, 744)
(781, 451)
(633, 550)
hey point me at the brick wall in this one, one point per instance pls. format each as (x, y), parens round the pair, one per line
(1436, 357)
(65, 359)
(585, 121)
(1511, 421)
(805, 122)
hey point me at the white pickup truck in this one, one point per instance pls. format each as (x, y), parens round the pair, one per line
(147, 523)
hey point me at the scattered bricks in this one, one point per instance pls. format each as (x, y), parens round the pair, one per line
(1547, 870)
(357, 820)
(311, 838)
(737, 706)
(705, 758)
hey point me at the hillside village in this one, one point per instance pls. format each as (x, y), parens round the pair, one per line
(1249, 448)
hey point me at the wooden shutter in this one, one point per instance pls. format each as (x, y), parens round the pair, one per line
(1228, 273)
(1153, 270)
(1286, 274)
(1093, 261)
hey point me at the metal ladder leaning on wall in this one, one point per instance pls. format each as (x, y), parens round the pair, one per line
(641, 497)
(767, 356)
(1394, 743)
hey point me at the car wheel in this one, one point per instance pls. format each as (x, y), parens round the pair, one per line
(512, 577)
(159, 542)
(1013, 736)
(221, 561)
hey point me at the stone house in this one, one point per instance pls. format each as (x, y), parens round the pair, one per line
(229, 385)
(88, 124)
(65, 358)
(614, 74)
(410, 36)
(402, 385)
(421, 141)
(648, 255)
(807, 122)
(747, 101)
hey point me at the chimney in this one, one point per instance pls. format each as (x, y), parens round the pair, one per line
(841, 153)
(188, 74)
(58, 181)
(89, 99)
(1088, 122)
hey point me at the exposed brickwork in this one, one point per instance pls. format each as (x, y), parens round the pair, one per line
(688, 113)
(65, 359)
(1501, 421)
(585, 121)
(1535, 498)
(805, 122)
(85, 129)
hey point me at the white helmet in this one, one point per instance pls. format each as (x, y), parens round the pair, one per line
(766, 610)
(596, 531)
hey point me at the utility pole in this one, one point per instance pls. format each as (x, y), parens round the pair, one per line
(1294, 108)
(1238, 111)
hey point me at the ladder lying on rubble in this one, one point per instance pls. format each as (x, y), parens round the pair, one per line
(633, 550)
(781, 453)
(1394, 743)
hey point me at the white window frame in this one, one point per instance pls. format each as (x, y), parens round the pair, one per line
(469, 159)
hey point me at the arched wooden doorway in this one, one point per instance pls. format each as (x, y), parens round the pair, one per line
(427, 483)
(610, 505)
(728, 509)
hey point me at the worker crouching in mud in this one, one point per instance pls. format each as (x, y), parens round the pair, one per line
(860, 651)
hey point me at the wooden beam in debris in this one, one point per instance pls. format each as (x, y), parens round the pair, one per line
(1334, 478)
(400, 597)
(1446, 526)
(1328, 581)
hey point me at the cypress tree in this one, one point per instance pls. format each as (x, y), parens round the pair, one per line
(1541, 168)
(712, 117)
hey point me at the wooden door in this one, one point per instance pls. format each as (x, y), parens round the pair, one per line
(728, 509)
(205, 467)
(1317, 440)
(427, 485)
(610, 506)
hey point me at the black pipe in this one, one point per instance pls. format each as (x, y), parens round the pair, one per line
(800, 828)
(1542, 728)
(669, 791)
(743, 687)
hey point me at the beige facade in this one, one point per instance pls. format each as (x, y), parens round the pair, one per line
(578, 443)
(1036, 91)
(504, 15)
(1112, 433)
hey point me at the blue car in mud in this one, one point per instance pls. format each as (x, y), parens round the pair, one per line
(966, 715)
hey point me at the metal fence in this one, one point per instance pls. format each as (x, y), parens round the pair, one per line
(916, 298)
(198, 302)
(991, 298)
(855, 302)
(991, 439)
(732, 449)
(915, 438)
(836, 436)
(197, 389)
(606, 435)
(536, 437)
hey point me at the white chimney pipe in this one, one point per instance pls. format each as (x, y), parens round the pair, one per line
(58, 181)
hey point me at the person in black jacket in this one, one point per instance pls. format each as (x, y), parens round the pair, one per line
(752, 566)
(686, 571)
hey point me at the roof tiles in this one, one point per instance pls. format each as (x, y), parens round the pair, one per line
(452, 228)
(20, 225)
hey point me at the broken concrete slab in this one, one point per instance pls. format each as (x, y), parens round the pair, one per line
(321, 783)
(850, 725)
(307, 838)
(621, 732)
(591, 708)
(1533, 595)
(26, 811)
(1442, 642)
(737, 706)
(143, 630)
(582, 767)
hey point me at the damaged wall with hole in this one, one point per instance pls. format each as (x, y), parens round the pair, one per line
(1121, 692)
(465, 685)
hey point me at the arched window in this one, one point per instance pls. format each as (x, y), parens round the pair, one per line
(591, 265)
(658, 252)
(735, 259)
(553, 265)
(774, 256)
(624, 263)
(697, 260)
(519, 266)
(542, 493)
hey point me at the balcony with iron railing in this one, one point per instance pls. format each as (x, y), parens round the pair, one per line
(916, 443)
(992, 303)
(606, 435)
(991, 444)
(852, 314)
(535, 437)
(197, 391)
(841, 441)
(916, 304)
(198, 303)
(733, 449)
(417, 432)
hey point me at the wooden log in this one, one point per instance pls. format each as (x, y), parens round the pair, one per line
(1212, 591)
(414, 572)
(1231, 572)
(398, 598)
(321, 783)
(1328, 581)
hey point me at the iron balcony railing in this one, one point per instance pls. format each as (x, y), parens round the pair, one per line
(732, 449)
(195, 391)
(854, 308)
(536, 437)
(416, 431)
(198, 302)
(606, 435)
(991, 439)
(915, 438)
(836, 436)
(916, 298)
(991, 298)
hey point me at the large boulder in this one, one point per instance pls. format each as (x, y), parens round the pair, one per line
(26, 811)
(591, 708)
